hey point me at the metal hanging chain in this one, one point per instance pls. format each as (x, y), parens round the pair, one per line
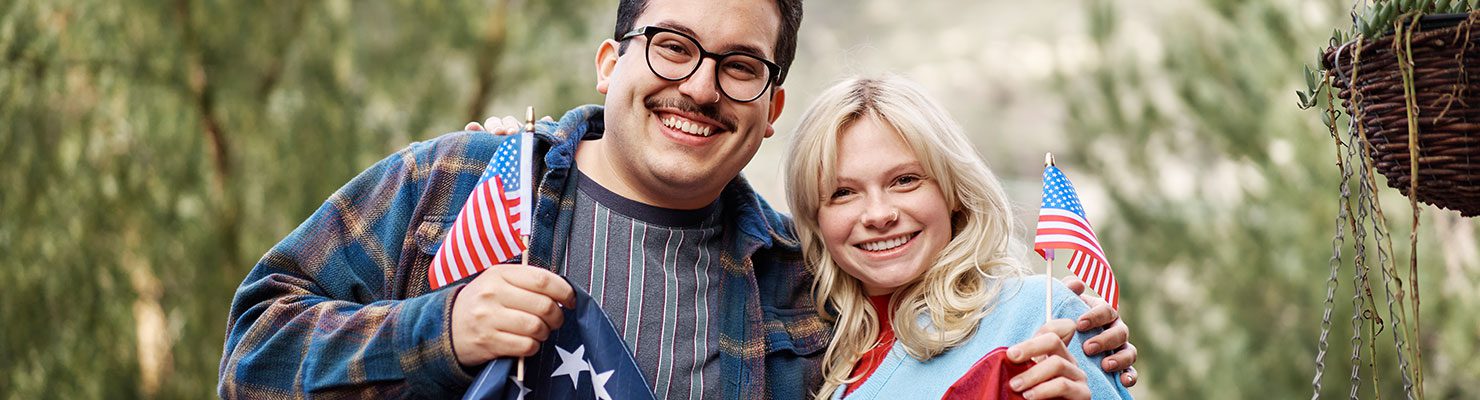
(1391, 284)
(1383, 240)
(1356, 153)
(1344, 163)
(1357, 280)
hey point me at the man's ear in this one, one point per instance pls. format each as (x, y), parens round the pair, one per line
(606, 63)
(778, 99)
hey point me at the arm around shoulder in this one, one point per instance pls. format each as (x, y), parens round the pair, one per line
(315, 315)
(1102, 385)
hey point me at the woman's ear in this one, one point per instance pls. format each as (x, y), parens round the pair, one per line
(958, 222)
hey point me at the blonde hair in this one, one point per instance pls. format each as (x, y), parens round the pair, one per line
(959, 288)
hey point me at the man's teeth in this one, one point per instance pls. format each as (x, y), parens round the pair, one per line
(688, 127)
(885, 244)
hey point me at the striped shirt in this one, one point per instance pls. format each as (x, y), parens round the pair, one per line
(652, 270)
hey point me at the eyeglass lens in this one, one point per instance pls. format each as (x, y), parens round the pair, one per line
(675, 57)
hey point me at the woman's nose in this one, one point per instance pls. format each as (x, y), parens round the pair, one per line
(880, 215)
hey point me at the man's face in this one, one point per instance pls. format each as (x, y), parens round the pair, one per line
(677, 143)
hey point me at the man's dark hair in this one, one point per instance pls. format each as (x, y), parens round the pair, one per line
(786, 41)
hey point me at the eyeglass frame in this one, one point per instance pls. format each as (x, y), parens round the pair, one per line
(647, 32)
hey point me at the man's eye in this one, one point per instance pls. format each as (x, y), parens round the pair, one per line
(741, 70)
(673, 48)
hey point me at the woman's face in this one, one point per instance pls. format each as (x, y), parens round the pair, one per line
(884, 220)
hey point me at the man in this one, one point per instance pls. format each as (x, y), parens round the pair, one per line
(639, 200)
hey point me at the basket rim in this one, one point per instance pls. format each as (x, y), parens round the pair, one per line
(1428, 25)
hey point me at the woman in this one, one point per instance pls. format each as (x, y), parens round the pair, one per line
(911, 239)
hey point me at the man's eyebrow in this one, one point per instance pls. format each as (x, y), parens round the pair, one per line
(740, 47)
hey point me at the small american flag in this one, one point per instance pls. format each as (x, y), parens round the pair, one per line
(1062, 225)
(490, 226)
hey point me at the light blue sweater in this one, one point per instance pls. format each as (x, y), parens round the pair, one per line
(1018, 314)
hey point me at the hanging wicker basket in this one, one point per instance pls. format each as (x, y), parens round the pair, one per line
(1446, 81)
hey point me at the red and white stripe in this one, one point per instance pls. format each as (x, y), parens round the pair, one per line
(1063, 229)
(485, 233)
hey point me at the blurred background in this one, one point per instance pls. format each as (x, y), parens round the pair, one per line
(153, 150)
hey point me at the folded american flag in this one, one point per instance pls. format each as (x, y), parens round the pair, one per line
(584, 359)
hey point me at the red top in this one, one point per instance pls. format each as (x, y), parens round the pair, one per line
(875, 356)
(987, 379)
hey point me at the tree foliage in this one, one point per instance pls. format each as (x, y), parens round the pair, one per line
(1225, 196)
(154, 149)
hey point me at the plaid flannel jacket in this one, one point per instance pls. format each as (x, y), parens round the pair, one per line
(342, 308)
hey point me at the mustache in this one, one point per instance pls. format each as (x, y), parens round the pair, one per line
(710, 111)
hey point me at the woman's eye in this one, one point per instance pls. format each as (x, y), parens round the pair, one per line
(840, 193)
(908, 180)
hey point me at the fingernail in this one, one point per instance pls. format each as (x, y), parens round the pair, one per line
(1091, 348)
(1083, 324)
(1017, 384)
(1112, 364)
(1014, 353)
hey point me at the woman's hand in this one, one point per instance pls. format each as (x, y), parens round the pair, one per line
(1055, 375)
(499, 126)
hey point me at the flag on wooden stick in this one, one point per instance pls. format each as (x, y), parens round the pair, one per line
(493, 222)
(1062, 225)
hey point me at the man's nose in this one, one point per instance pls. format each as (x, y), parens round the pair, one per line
(701, 86)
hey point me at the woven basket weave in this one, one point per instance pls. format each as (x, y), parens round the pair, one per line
(1446, 72)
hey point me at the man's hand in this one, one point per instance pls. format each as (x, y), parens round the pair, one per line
(1054, 374)
(499, 126)
(507, 311)
(1115, 337)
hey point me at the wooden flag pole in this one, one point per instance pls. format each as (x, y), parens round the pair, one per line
(524, 261)
(1047, 264)
(524, 258)
(1048, 285)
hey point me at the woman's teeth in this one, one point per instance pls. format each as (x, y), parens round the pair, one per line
(688, 127)
(885, 244)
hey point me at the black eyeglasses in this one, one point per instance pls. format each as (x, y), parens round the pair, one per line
(674, 56)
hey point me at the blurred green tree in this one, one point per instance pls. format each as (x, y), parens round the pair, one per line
(1224, 194)
(154, 149)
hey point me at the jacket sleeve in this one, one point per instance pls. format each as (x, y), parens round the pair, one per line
(316, 314)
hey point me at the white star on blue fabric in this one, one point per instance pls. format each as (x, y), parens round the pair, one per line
(598, 381)
(573, 364)
(505, 164)
(522, 390)
(1059, 193)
